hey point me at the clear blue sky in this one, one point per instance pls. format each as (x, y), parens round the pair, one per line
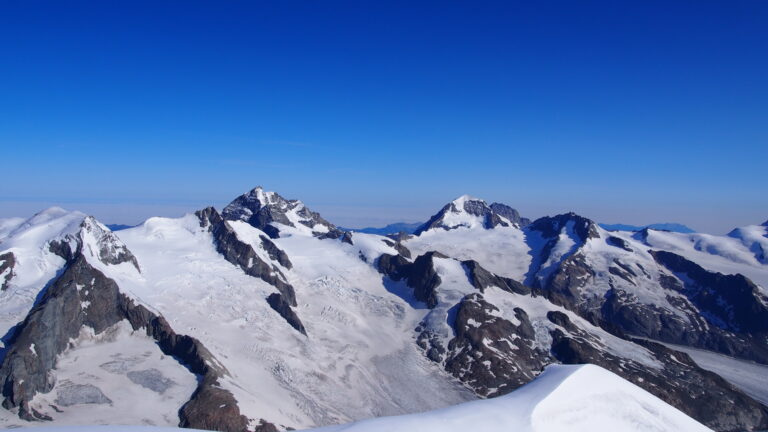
(373, 112)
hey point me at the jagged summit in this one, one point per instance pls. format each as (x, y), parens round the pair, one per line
(512, 214)
(469, 212)
(271, 213)
(552, 226)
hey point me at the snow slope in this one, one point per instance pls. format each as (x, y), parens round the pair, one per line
(577, 398)
(358, 360)
(28, 241)
(117, 377)
(564, 398)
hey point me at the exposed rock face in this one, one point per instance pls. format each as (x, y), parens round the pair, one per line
(110, 249)
(619, 243)
(7, 262)
(265, 209)
(482, 279)
(502, 215)
(727, 313)
(275, 252)
(96, 240)
(419, 274)
(560, 274)
(701, 394)
(423, 278)
(347, 238)
(552, 226)
(731, 302)
(282, 307)
(510, 213)
(242, 254)
(396, 267)
(564, 284)
(494, 355)
(83, 297)
(716, 312)
(489, 354)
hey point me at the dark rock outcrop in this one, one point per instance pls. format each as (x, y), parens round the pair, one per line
(481, 279)
(7, 262)
(422, 277)
(731, 302)
(678, 380)
(282, 307)
(402, 250)
(489, 354)
(619, 243)
(551, 226)
(420, 274)
(275, 252)
(111, 249)
(510, 213)
(347, 238)
(726, 313)
(563, 287)
(82, 297)
(101, 243)
(242, 254)
(263, 209)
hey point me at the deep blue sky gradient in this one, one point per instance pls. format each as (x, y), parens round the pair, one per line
(373, 112)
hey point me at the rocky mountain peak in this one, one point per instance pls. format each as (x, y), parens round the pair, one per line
(552, 226)
(512, 214)
(95, 241)
(104, 244)
(268, 210)
(470, 212)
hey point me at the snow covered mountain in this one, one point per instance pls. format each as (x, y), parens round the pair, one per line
(574, 398)
(673, 227)
(266, 316)
(563, 398)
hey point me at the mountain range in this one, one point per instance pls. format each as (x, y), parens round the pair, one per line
(265, 316)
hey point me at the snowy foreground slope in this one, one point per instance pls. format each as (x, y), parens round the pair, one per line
(265, 316)
(564, 398)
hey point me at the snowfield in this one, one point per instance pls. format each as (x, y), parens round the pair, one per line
(580, 398)
(362, 357)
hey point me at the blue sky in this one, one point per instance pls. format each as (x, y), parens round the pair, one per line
(373, 112)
